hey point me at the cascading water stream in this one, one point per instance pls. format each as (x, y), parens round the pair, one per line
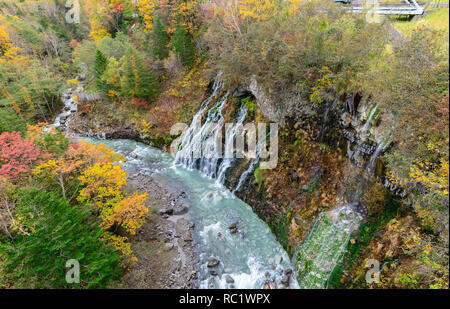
(368, 122)
(201, 145)
(249, 256)
(194, 141)
(317, 257)
(247, 172)
(62, 120)
(230, 137)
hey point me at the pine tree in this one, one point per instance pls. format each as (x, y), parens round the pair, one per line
(137, 80)
(182, 43)
(160, 39)
(101, 62)
(54, 232)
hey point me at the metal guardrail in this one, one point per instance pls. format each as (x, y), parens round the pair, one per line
(409, 7)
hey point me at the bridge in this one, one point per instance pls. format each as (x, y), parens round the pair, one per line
(408, 7)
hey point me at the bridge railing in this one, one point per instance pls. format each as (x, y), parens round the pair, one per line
(409, 7)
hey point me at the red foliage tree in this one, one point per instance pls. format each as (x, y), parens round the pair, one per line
(442, 111)
(17, 155)
(140, 103)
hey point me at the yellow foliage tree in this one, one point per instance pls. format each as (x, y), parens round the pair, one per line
(5, 44)
(121, 245)
(146, 9)
(129, 213)
(103, 182)
(257, 9)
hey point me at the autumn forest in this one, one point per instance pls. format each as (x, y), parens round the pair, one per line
(97, 177)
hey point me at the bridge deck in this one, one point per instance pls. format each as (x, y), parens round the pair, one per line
(407, 8)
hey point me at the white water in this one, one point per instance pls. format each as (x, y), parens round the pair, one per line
(368, 122)
(70, 107)
(251, 167)
(201, 144)
(252, 255)
(190, 148)
(230, 137)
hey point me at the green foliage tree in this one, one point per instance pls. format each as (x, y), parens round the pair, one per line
(183, 46)
(10, 122)
(160, 39)
(137, 80)
(101, 62)
(52, 232)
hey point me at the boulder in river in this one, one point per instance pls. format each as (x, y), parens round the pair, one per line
(233, 227)
(213, 262)
(213, 272)
(229, 279)
(209, 196)
(285, 280)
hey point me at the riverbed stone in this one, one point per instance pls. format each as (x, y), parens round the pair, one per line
(285, 280)
(180, 209)
(166, 211)
(213, 272)
(229, 279)
(213, 262)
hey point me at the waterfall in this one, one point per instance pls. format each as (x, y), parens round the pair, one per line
(371, 165)
(247, 172)
(230, 137)
(251, 167)
(190, 139)
(325, 120)
(325, 245)
(368, 124)
(201, 145)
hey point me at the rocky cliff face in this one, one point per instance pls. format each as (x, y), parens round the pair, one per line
(326, 158)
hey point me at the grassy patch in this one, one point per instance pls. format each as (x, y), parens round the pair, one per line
(316, 258)
(437, 19)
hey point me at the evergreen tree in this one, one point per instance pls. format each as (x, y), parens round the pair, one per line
(55, 232)
(101, 62)
(182, 43)
(137, 80)
(160, 39)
